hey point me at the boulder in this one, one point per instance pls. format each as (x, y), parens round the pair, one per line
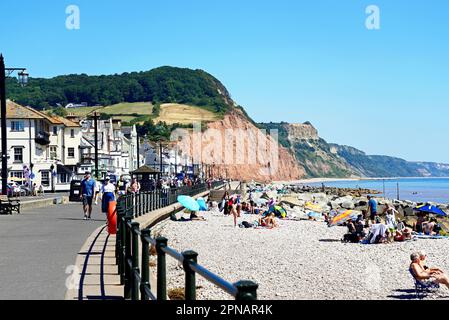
(319, 197)
(341, 200)
(348, 205)
(304, 197)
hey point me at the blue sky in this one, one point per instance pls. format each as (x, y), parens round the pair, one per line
(384, 91)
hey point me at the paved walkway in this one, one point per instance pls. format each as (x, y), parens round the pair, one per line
(95, 276)
(38, 246)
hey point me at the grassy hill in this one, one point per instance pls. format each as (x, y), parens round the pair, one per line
(158, 86)
(180, 113)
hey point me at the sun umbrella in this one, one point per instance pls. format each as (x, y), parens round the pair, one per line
(278, 211)
(202, 203)
(313, 207)
(342, 217)
(431, 209)
(189, 203)
(314, 215)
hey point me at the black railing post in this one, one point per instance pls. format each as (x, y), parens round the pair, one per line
(135, 227)
(128, 277)
(148, 202)
(190, 257)
(145, 272)
(246, 290)
(122, 250)
(161, 269)
(152, 200)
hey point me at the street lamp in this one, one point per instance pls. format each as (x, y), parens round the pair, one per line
(23, 80)
(52, 168)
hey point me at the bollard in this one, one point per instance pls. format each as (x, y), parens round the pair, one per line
(246, 290)
(145, 272)
(161, 269)
(190, 281)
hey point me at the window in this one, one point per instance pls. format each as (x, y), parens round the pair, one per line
(71, 152)
(17, 126)
(55, 131)
(53, 152)
(18, 175)
(45, 178)
(63, 178)
(72, 133)
(18, 155)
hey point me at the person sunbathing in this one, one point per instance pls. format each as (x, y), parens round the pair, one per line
(427, 228)
(268, 221)
(427, 276)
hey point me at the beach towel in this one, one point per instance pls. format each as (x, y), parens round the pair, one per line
(377, 231)
(424, 236)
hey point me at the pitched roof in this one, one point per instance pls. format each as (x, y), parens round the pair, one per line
(17, 111)
(145, 169)
(66, 122)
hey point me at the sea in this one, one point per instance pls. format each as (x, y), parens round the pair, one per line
(414, 189)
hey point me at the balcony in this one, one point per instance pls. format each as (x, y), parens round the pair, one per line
(42, 138)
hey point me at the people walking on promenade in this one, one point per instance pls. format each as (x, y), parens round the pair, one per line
(135, 186)
(87, 194)
(121, 186)
(108, 195)
(98, 187)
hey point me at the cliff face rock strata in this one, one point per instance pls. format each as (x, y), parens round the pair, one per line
(302, 131)
(237, 149)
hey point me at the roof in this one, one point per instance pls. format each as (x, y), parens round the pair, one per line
(145, 169)
(66, 122)
(127, 130)
(17, 111)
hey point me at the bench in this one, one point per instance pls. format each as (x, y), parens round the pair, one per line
(8, 206)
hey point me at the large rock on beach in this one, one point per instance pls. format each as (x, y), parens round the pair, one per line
(348, 205)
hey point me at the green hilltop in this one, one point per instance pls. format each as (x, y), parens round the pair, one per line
(160, 85)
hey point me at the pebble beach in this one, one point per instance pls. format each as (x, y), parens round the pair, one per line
(297, 261)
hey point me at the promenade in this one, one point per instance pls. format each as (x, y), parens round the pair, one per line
(36, 248)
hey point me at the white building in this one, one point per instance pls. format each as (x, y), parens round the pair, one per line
(117, 148)
(42, 149)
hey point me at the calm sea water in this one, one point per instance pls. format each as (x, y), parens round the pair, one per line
(415, 189)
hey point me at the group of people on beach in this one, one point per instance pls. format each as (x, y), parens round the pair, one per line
(386, 227)
(233, 205)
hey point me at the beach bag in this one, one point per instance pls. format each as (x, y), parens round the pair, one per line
(246, 224)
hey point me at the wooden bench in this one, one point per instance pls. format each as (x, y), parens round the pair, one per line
(8, 206)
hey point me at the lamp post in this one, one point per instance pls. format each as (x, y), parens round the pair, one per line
(96, 144)
(52, 168)
(23, 80)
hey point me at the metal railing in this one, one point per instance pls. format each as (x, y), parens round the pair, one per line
(136, 277)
